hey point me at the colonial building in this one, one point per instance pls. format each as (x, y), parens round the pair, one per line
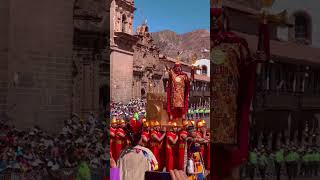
(50, 54)
(122, 41)
(305, 18)
(147, 68)
(90, 58)
(137, 67)
(287, 99)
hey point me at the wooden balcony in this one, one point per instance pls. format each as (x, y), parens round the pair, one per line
(276, 100)
(310, 101)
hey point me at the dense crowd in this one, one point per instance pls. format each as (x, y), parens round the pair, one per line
(173, 146)
(137, 108)
(290, 160)
(80, 141)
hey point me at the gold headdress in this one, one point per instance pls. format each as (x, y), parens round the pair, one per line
(178, 59)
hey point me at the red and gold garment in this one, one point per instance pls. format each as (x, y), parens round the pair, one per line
(145, 138)
(232, 78)
(228, 60)
(178, 93)
(120, 144)
(181, 149)
(170, 151)
(155, 145)
(112, 140)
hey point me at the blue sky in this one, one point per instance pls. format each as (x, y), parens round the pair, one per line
(180, 16)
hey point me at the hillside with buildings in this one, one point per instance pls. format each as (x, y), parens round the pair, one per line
(195, 42)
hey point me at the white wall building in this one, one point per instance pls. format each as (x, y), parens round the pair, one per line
(204, 64)
(305, 17)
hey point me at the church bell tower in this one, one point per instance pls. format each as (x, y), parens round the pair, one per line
(122, 42)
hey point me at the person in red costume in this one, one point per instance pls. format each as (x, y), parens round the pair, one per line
(145, 136)
(162, 149)
(121, 140)
(200, 138)
(203, 140)
(183, 135)
(177, 92)
(172, 139)
(155, 142)
(113, 129)
(233, 73)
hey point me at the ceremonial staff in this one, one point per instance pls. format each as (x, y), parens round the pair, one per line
(263, 50)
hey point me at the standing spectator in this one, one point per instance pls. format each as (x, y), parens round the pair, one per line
(279, 158)
(253, 161)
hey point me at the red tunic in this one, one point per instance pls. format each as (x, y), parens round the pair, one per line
(120, 143)
(145, 138)
(181, 149)
(170, 151)
(155, 146)
(112, 140)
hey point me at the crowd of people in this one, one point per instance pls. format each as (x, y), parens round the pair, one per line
(137, 108)
(174, 145)
(290, 161)
(80, 142)
(168, 143)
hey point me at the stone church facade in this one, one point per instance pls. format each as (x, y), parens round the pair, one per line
(52, 54)
(137, 67)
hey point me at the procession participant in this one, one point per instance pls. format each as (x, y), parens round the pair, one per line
(135, 160)
(192, 147)
(233, 73)
(172, 138)
(201, 137)
(155, 141)
(113, 130)
(120, 138)
(162, 149)
(193, 122)
(279, 158)
(253, 161)
(143, 120)
(262, 163)
(177, 92)
(145, 136)
(205, 146)
(183, 134)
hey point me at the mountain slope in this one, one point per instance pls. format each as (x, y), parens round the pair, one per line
(195, 42)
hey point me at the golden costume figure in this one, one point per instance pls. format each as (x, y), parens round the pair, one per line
(177, 92)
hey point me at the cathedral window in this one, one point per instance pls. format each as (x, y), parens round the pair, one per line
(302, 27)
(124, 22)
